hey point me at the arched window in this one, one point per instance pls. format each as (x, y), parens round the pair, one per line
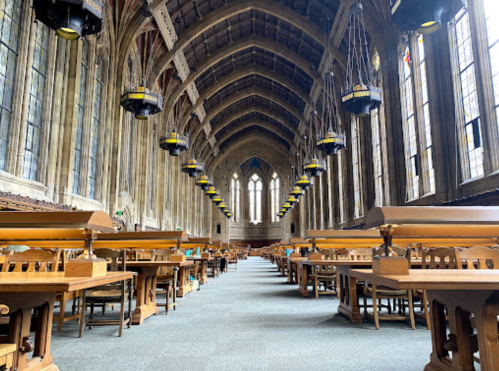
(274, 197)
(491, 9)
(235, 188)
(469, 118)
(255, 187)
(81, 116)
(10, 20)
(96, 120)
(36, 101)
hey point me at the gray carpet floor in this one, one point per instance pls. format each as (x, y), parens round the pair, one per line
(246, 320)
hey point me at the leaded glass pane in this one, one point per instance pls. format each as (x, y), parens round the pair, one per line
(10, 18)
(471, 111)
(36, 101)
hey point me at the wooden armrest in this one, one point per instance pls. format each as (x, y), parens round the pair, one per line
(4, 309)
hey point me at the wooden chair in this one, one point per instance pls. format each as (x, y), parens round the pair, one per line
(63, 298)
(116, 293)
(232, 260)
(483, 257)
(325, 275)
(32, 261)
(434, 258)
(360, 254)
(6, 350)
(378, 293)
(167, 278)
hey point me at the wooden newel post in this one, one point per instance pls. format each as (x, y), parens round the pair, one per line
(88, 251)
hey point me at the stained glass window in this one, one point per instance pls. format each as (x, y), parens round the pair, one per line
(378, 167)
(357, 191)
(274, 197)
(236, 197)
(410, 139)
(430, 172)
(80, 117)
(471, 111)
(36, 100)
(255, 187)
(94, 135)
(10, 19)
(341, 194)
(491, 11)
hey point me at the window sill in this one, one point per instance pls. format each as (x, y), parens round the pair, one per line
(472, 180)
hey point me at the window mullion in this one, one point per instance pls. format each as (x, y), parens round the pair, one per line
(419, 116)
(484, 86)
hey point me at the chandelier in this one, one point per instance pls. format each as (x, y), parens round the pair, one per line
(332, 138)
(140, 97)
(204, 182)
(297, 192)
(217, 199)
(71, 19)
(425, 16)
(304, 182)
(193, 168)
(174, 143)
(211, 192)
(360, 95)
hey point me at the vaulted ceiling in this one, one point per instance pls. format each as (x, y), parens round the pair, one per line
(249, 66)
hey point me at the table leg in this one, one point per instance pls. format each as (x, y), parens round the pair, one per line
(349, 300)
(290, 272)
(184, 286)
(303, 289)
(21, 306)
(146, 295)
(283, 267)
(204, 272)
(461, 342)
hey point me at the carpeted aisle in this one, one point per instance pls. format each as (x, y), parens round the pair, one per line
(246, 320)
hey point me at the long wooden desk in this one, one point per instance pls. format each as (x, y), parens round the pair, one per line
(204, 266)
(347, 285)
(460, 294)
(293, 276)
(23, 292)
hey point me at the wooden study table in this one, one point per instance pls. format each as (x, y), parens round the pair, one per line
(204, 266)
(460, 294)
(23, 292)
(347, 285)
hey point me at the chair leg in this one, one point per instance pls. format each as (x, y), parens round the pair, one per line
(375, 308)
(83, 311)
(62, 307)
(316, 284)
(122, 308)
(411, 309)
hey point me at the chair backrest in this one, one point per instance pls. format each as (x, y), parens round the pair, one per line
(36, 260)
(144, 254)
(342, 254)
(116, 258)
(360, 254)
(439, 258)
(160, 255)
(328, 254)
(483, 257)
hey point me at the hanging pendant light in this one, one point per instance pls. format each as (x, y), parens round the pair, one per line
(71, 19)
(425, 16)
(297, 192)
(286, 206)
(315, 167)
(212, 192)
(174, 143)
(142, 101)
(291, 200)
(204, 182)
(304, 182)
(140, 97)
(222, 205)
(217, 199)
(360, 95)
(229, 215)
(332, 138)
(193, 168)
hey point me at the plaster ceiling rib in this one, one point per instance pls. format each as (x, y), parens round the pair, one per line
(167, 30)
(238, 74)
